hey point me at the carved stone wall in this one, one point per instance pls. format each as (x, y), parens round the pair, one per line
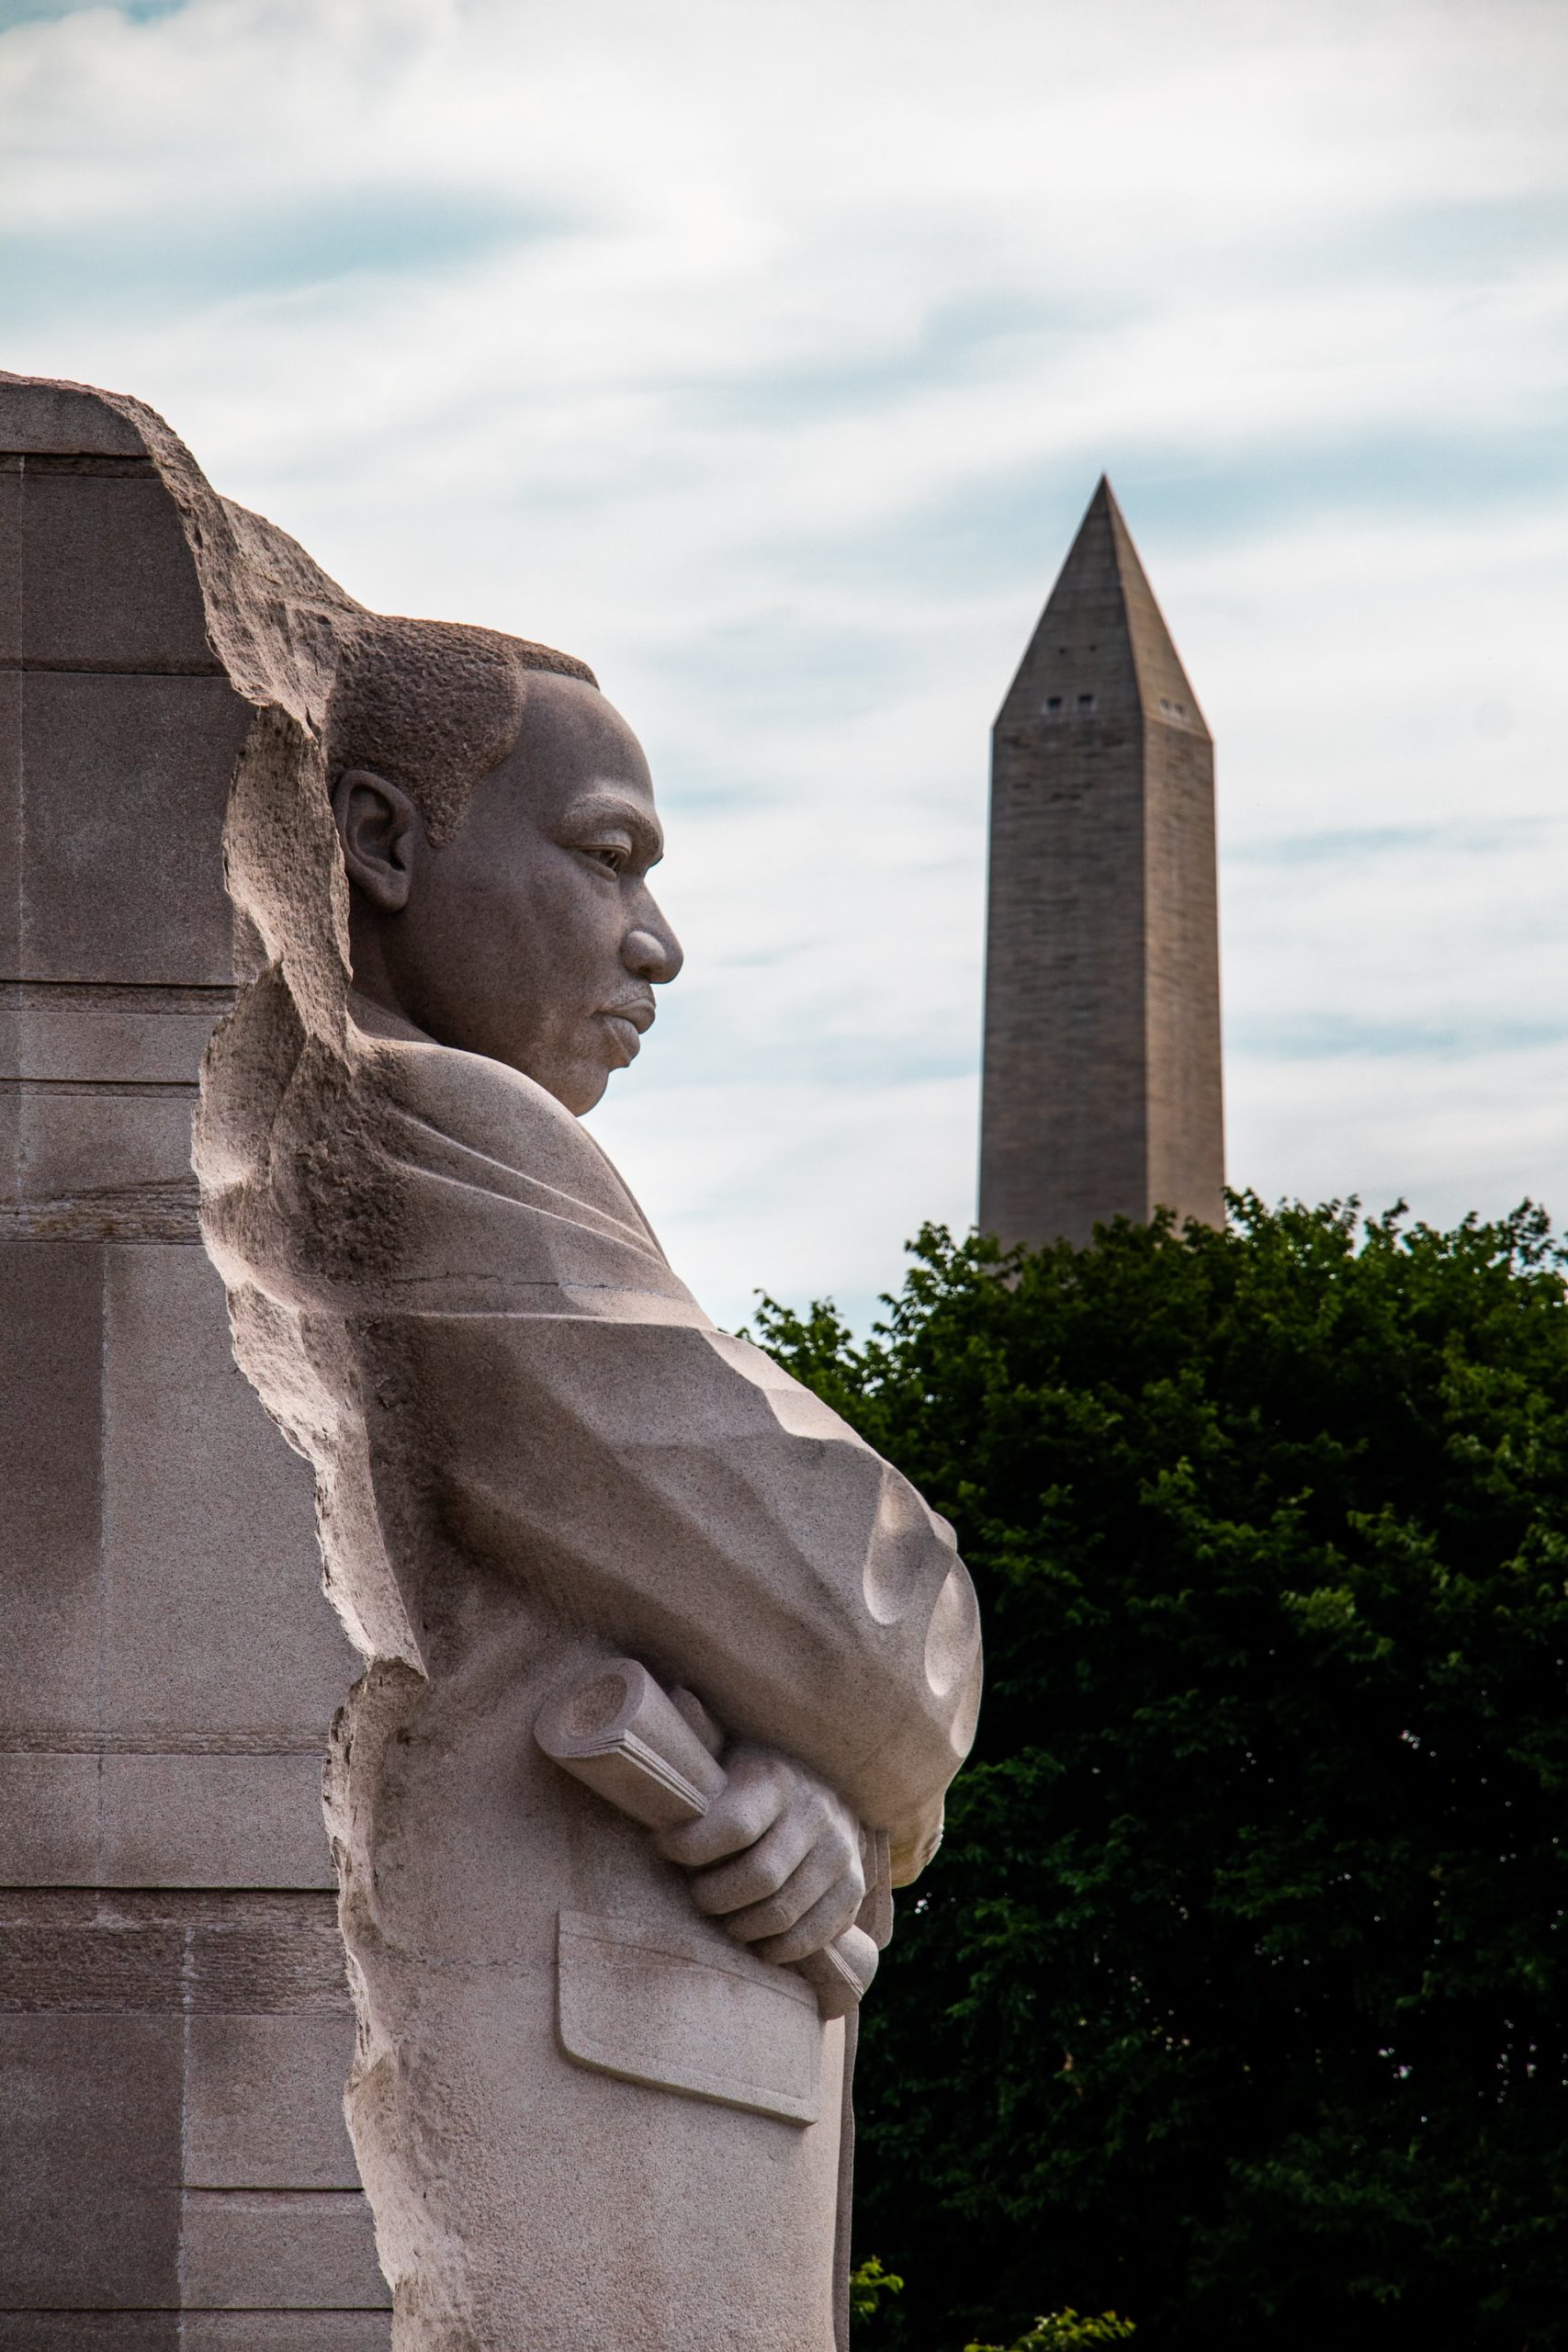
(174, 2026)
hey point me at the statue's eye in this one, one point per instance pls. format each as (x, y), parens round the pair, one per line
(609, 856)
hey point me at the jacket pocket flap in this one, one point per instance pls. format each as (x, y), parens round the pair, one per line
(688, 2014)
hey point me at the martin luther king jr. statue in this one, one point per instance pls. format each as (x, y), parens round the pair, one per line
(666, 1672)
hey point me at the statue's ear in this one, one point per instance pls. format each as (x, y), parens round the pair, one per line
(382, 834)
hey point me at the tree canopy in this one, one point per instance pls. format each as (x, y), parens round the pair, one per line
(1235, 2000)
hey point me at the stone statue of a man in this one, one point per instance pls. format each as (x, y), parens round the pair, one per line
(597, 2106)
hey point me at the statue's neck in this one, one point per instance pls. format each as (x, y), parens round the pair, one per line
(378, 1019)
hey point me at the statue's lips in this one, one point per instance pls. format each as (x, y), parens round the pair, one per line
(627, 1024)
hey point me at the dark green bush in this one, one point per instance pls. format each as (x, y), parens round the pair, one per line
(1234, 2001)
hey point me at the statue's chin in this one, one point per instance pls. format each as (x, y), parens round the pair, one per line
(576, 1089)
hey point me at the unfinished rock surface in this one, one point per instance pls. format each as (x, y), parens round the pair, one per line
(585, 2114)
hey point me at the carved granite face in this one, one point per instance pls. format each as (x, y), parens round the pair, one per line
(531, 934)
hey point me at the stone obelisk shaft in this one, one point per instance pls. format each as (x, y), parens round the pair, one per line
(1103, 1081)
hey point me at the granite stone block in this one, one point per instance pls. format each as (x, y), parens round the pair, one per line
(203, 1952)
(128, 780)
(161, 1820)
(106, 579)
(49, 1820)
(263, 2103)
(10, 554)
(275, 2331)
(241, 2248)
(79, 1035)
(215, 1619)
(273, 1954)
(37, 2331)
(66, 1957)
(63, 421)
(10, 816)
(89, 2161)
(212, 1821)
(76, 1142)
(50, 1411)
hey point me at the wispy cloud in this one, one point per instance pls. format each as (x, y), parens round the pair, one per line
(767, 354)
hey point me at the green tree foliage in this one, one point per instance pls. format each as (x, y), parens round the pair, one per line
(1066, 2332)
(1235, 1998)
(870, 2284)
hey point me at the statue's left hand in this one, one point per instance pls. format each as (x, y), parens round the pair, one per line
(776, 1857)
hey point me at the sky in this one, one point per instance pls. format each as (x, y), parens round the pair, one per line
(766, 356)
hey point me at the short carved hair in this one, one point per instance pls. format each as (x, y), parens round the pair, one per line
(433, 706)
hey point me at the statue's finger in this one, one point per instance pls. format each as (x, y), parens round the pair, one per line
(746, 1811)
(827, 1918)
(759, 1873)
(823, 1869)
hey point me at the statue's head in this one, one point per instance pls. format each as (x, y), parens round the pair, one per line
(497, 821)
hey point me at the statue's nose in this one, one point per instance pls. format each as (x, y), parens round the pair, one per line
(652, 953)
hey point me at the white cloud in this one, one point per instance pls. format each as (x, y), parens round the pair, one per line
(766, 354)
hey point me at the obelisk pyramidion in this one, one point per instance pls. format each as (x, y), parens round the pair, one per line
(1102, 1086)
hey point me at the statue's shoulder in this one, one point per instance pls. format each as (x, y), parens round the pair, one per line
(462, 1113)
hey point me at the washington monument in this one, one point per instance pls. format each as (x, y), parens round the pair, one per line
(1102, 1089)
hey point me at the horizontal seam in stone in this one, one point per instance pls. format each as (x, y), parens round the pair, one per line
(22, 664)
(23, 1742)
(147, 996)
(89, 1230)
(263, 2189)
(103, 464)
(15, 1081)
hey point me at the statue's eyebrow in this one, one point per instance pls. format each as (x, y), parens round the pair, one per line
(599, 807)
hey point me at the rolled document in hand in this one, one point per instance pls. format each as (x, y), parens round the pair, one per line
(616, 1731)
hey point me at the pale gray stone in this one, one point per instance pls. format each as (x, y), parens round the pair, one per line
(275, 2331)
(79, 1819)
(263, 2103)
(172, 1820)
(687, 2015)
(196, 1559)
(244, 2249)
(534, 1451)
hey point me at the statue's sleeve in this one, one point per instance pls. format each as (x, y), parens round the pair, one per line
(672, 1489)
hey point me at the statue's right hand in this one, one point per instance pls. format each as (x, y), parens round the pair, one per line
(776, 1857)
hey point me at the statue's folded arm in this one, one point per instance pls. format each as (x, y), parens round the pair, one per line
(667, 1488)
